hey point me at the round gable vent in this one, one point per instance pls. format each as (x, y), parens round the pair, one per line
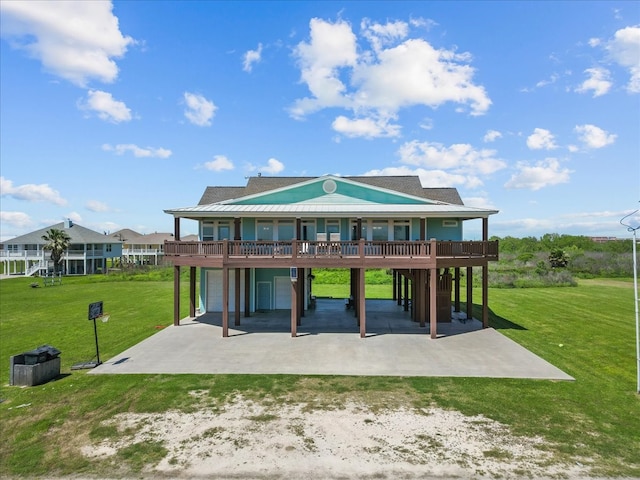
(329, 186)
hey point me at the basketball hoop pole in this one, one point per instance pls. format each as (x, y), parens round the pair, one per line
(95, 332)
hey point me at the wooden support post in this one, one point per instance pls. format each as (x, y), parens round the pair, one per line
(399, 278)
(456, 301)
(247, 292)
(192, 292)
(236, 305)
(294, 309)
(237, 233)
(433, 308)
(485, 275)
(225, 302)
(414, 314)
(361, 306)
(300, 295)
(176, 295)
(485, 296)
(421, 296)
(176, 276)
(353, 280)
(469, 293)
(394, 282)
(406, 293)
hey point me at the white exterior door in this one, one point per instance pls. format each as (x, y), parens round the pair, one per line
(214, 290)
(283, 293)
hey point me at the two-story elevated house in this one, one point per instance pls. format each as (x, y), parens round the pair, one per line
(259, 243)
(88, 251)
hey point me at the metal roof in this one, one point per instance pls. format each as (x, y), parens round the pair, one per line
(78, 234)
(329, 210)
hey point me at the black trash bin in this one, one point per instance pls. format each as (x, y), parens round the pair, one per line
(35, 367)
(41, 354)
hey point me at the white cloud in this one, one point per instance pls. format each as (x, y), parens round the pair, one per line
(139, 152)
(97, 206)
(544, 173)
(219, 163)
(599, 82)
(74, 40)
(332, 45)
(16, 219)
(380, 35)
(428, 178)
(594, 137)
(479, 202)
(106, 107)
(251, 57)
(375, 84)
(492, 136)
(30, 192)
(200, 111)
(624, 48)
(365, 127)
(461, 157)
(541, 139)
(551, 80)
(273, 166)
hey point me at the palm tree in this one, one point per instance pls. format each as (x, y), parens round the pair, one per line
(57, 241)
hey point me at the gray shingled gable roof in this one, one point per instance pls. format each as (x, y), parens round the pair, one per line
(78, 234)
(409, 185)
(125, 234)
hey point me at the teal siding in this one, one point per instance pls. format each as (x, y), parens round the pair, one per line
(248, 229)
(415, 229)
(435, 229)
(315, 190)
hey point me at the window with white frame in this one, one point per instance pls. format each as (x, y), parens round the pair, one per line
(401, 230)
(286, 230)
(380, 230)
(264, 230)
(216, 230)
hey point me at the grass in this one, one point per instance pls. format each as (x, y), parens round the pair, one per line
(594, 420)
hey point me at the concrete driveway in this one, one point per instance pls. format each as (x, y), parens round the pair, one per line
(328, 343)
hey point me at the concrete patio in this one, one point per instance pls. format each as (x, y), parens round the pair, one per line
(328, 343)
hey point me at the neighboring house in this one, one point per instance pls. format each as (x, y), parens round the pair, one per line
(144, 249)
(87, 253)
(255, 239)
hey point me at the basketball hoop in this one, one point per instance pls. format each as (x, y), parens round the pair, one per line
(105, 318)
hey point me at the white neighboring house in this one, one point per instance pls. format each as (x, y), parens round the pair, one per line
(144, 249)
(87, 253)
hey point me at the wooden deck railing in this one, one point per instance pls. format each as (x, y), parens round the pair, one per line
(344, 249)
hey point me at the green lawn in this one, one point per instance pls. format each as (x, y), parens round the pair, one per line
(594, 419)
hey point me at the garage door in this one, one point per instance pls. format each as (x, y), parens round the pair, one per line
(214, 290)
(283, 293)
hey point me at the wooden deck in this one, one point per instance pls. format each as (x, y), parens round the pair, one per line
(327, 254)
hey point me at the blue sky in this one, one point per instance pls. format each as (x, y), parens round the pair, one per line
(112, 112)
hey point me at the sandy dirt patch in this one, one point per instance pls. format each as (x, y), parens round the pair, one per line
(249, 440)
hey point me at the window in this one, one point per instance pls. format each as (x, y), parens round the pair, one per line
(108, 247)
(285, 230)
(207, 232)
(449, 223)
(264, 230)
(380, 231)
(224, 231)
(401, 230)
(210, 229)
